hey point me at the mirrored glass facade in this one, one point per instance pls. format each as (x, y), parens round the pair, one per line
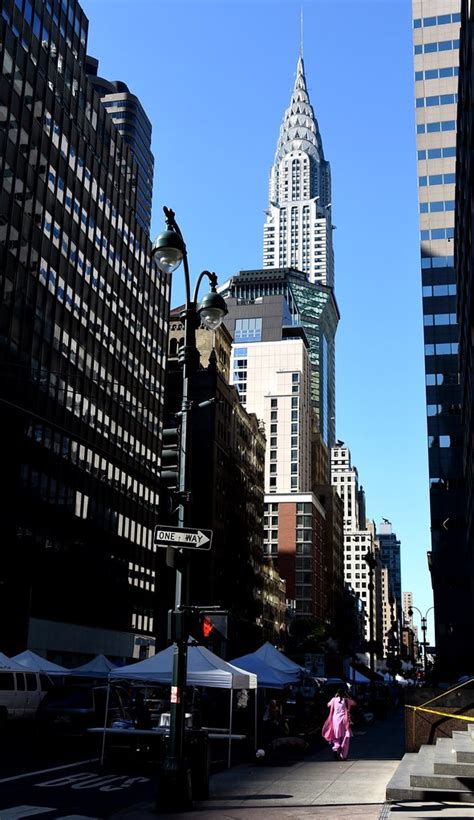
(436, 60)
(82, 343)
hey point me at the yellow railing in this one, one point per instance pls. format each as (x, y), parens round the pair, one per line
(422, 707)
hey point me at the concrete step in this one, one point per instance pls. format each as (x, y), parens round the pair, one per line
(400, 788)
(463, 746)
(424, 776)
(445, 760)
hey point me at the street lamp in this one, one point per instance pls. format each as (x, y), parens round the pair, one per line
(169, 250)
(371, 562)
(423, 629)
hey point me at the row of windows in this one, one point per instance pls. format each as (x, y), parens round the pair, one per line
(81, 99)
(68, 152)
(437, 262)
(66, 26)
(440, 20)
(438, 379)
(64, 294)
(443, 45)
(437, 153)
(437, 179)
(437, 233)
(439, 290)
(248, 330)
(71, 252)
(436, 99)
(445, 441)
(69, 347)
(437, 73)
(443, 409)
(441, 349)
(434, 127)
(80, 504)
(437, 319)
(437, 207)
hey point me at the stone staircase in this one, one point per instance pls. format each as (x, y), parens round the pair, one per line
(435, 773)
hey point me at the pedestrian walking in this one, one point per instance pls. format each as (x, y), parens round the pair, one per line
(337, 728)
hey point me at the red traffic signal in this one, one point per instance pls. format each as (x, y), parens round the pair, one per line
(207, 626)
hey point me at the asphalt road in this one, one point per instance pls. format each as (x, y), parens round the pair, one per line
(62, 777)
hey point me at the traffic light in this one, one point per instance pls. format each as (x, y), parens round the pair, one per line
(169, 475)
(207, 627)
(170, 458)
(211, 626)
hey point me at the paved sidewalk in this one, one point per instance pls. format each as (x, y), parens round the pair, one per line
(316, 786)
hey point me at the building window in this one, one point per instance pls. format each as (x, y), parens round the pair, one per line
(248, 330)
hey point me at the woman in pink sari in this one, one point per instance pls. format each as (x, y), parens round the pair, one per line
(337, 729)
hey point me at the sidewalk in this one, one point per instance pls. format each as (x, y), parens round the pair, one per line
(316, 786)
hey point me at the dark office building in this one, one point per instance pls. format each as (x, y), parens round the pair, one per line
(464, 258)
(227, 459)
(436, 58)
(390, 557)
(313, 307)
(81, 355)
(133, 124)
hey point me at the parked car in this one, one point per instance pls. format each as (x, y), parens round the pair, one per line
(21, 694)
(76, 707)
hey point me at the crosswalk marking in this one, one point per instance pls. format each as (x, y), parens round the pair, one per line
(15, 812)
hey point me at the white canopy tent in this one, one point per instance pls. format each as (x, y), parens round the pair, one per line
(10, 664)
(35, 663)
(98, 667)
(203, 669)
(267, 676)
(357, 677)
(271, 656)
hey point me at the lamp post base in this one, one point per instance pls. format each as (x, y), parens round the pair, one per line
(174, 786)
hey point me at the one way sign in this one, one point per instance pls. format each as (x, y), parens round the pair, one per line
(182, 538)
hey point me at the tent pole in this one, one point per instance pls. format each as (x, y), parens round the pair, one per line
(230, 727)
(255, 717)
(102, 754)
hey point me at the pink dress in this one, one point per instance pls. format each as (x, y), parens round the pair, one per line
(337, 730)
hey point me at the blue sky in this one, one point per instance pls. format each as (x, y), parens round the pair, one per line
(215, 77)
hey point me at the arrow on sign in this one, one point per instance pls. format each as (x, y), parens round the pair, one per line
(183, 538)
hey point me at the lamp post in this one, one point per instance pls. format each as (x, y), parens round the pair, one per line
(169, 250)
(371, 562)
(424, 619)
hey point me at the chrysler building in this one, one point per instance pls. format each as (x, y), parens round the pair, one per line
(298, 230)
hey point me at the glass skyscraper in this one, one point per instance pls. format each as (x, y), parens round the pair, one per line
(133, 124)
(436, 64)
(82, 345)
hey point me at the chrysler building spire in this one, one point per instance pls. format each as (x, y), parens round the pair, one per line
(298, 230)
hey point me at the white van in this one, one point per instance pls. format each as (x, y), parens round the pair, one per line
(21, 694)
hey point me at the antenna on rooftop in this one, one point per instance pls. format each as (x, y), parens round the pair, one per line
(301, 31)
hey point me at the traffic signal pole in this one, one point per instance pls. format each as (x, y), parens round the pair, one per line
(175, 782)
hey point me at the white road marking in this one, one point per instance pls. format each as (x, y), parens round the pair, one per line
(46, 771)
(23, 811)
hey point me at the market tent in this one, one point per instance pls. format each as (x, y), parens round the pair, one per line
(9, 663)
(35, 663)
(272, 657)
(267, 676)
(98, 667)
(204, 669)
(356, 676)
